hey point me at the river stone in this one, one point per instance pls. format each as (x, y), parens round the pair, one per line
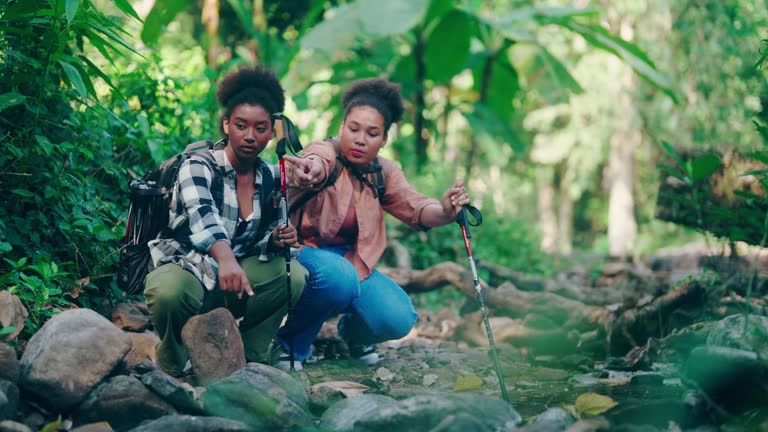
(173, 391)
(343, 415)
(123, 402)
(9, 400)
(187, 423)
(69, 355)
(12, 426)
(128, 317)
(9, 364)
(214, 345)
(729, 332)
(262, 397)
(94, 427)
(426, 412)
(12, 314)
(551, 420)
(142, 348)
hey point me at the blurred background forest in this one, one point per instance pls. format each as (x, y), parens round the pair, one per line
(559, 114)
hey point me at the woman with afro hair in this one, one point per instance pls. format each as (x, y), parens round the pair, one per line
(223, 246)
(342, 228)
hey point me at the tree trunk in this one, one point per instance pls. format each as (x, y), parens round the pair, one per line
(418, 122)
(211, 21)
(564, 220)
(547, 216)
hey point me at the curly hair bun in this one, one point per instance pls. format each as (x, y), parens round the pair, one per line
(251, 85)
(378, 93)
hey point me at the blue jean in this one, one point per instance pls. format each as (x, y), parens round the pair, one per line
(375, 309)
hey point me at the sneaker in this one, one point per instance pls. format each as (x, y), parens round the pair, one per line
(282, 360)
(365, 353)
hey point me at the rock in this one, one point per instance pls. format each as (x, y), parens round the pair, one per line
(734, 332)
(551, 420)
(123, 402)
(69, 355)
(142, 348)
(325, 394)
(426, 412)
(214, 345)
(94, 427)
(9, 364)
(260, 396)
(186, 423)
(12, 426)
(128, 317)
(180, 395)
(12, 313)
(461, 422)
(343, 415)
(9, 400)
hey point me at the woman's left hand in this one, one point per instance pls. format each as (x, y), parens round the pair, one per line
(454, 198)
(285, 236)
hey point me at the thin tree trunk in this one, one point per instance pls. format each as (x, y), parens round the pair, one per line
(211, 21)
(259, 20)
(565, 220)
(546, 201)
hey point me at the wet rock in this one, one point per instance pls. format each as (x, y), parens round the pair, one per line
(551, 420)
(323, 395)
(260, 396)
(128, 317)
(426, 412)
(343, 415)
(459, 423)
(180, 395)
(647, 379)
(142, 348)
(94, 427)
(123, 402)
(597, 424)
(69, 355)
(186, 423)
(738, 331)
(9, 400)
(657, 413)
(9, 364)
(214, 345)
(12, 314)
(12, 426)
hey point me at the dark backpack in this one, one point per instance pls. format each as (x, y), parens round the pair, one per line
(373, 178)
(150, 200)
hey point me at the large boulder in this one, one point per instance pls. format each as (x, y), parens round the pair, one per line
(428, 412)
(9, 364)
(128, 317)
(69, 355)
(179, 394)
(186, 423)
(123, 402)
(12, 314)
(142, 348)
(214, 345)
(262, 397)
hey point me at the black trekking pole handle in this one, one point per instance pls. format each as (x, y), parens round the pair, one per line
(465, 222)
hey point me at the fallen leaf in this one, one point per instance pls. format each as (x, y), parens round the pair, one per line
(467, 382)
(347, 388)
(592, 404)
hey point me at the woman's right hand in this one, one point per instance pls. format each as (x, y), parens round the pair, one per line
(306, 172)
(232, 278)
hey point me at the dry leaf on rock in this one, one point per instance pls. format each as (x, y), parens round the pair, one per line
(592, 404)
(347, 388)
(467, 382)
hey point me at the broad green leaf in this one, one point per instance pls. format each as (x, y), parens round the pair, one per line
(10, 99)
(5, 247)
(24, 8)
(447, 48)
(487, 124)
(7, 330)
(545, 73)
(74, 78)
(127, 9)
(338, 32)
(23, 192)
(436, 9)
(601, 38)
(70, 9)
(760, 156)
(502, 83)
(467, 382)
(392, 17)
(671, 151)
(704, 166)
(592, 404)
(162, 13)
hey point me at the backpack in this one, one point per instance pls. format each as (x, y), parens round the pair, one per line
(377, 184)
(150, 200)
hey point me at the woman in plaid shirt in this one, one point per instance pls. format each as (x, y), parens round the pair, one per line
(225, 245)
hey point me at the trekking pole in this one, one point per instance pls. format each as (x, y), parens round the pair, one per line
(463, 220)
(286, 137)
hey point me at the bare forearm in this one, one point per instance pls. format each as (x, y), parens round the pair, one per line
(433, 216)
(222, 252)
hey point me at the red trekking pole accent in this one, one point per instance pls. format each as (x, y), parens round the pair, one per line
(463, 220)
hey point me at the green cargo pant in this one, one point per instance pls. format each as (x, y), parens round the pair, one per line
(174, 295)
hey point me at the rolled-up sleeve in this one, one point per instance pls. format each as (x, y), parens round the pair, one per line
(205, 223)
(401, 199)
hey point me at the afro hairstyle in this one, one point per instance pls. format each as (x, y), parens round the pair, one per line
(253, 86)
(377, 93)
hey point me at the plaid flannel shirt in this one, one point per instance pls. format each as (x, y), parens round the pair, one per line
(205, 210)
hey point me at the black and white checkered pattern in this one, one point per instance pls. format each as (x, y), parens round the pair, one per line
(205, 210)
